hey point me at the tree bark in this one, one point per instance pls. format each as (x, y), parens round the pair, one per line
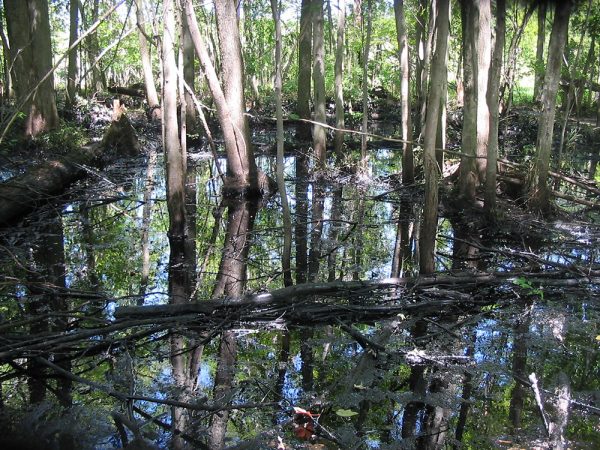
(539, 51)
(494, 108)
(430, 208)
(175, 157)
(483, 51)
(339, 81)
(304, 70)
(146, 59)
(467, 182)
(408, 169)
(539, 191)
(31, 50)
(189, 75)
(319, 133)
(287, 224)
(365, 89)
(72, 65)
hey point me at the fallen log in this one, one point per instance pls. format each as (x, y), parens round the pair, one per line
(131, 92)
(439, 290)
(41, 183)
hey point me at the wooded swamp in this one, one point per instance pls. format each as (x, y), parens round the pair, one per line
(109, 335)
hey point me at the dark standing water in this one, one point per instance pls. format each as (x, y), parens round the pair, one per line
(429, 363)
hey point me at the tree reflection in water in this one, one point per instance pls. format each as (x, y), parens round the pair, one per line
(428, 362)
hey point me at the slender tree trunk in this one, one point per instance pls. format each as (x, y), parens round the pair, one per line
(31, 52)
(539, 191)
(93, 48)
(511, 60)
(339, 81)
(539, 52)
(468, 179)
(145, 57)
(365, 89)
(420, 31)
(494, 107)
(589, 69)
(319, 134)
(408, 164)
(440, 138)
(189, 75)
(483, 51)
(175, 158)
(572, 92)
(430, 208)
(7, 91)
(72, 65)
(287, 224)
(304, 69)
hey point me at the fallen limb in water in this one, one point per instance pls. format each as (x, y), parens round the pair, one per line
(42, 183)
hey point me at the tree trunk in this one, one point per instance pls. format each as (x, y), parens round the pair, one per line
(483, 51)
(72, 65)
(31, 50)
(287, 224)
(146, 59)
(339, 81)
(494, 107)
(93, 50)
(539, 191)
(319, 133)
(303, 132)
(572, 90)
(175, 157)
(440, 138)
(430, 207)
(7, 90)
(467, 182)
(365, 89)
(189, 75)
(539, 52)
(424, 58)
(408, 164)
(242, 174)
(511, 60)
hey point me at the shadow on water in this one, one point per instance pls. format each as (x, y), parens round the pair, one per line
(419, 362)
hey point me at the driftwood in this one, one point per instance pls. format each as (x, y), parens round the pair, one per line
(41, 183)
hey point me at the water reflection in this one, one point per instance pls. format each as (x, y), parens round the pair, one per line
(449, 366)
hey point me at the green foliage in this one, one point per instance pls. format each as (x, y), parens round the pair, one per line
(67, 137)
(528, 287)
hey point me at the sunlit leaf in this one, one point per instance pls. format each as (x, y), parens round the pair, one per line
(346, 413)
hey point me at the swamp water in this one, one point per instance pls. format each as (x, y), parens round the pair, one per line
(425, 362)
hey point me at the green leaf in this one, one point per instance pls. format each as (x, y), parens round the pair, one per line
(346, 413)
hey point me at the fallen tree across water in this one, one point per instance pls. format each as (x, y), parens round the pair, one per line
(301, 305)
